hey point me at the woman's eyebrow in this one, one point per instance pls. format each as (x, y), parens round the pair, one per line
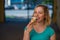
(40, 12)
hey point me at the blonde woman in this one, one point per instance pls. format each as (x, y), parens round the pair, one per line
(38, 28)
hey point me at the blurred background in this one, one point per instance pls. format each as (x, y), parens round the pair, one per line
(22, 10)
(16, 14)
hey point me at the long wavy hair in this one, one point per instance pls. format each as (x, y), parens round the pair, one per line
(47, 19)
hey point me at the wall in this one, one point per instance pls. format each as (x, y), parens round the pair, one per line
(58, 13)
(1, 11)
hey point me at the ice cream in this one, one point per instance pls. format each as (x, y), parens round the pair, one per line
(33, 19)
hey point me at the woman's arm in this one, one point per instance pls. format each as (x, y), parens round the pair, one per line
(53, 37)
(28, 29)
(27, 32)
(26, 35)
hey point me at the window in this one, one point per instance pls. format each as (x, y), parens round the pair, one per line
(22, 10)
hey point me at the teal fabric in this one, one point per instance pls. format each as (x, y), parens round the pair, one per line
(45, 35)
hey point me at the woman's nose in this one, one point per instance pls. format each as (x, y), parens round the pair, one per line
(36, 15)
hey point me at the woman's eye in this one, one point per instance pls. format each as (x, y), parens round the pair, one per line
(40, 13)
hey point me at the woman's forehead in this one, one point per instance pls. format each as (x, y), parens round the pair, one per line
(39, 9)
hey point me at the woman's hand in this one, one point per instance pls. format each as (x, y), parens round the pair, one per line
(27, 32)
(29, 28)
(30, 25)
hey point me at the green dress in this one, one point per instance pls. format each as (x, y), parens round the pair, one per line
(45, 35)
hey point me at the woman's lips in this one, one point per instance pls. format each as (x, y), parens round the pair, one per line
(38, 18)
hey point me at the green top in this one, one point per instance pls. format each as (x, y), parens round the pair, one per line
(45, 35)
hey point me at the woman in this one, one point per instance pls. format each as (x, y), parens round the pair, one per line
(39, 29)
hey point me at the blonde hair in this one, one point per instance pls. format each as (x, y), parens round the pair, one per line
(47, 19)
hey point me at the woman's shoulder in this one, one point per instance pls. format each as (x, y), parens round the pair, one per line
(50, 30)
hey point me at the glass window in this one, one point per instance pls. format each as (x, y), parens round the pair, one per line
(22, 10)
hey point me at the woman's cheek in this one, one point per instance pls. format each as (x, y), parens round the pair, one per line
(42, 16)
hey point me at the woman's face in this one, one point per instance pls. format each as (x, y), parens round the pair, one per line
(39, 13)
